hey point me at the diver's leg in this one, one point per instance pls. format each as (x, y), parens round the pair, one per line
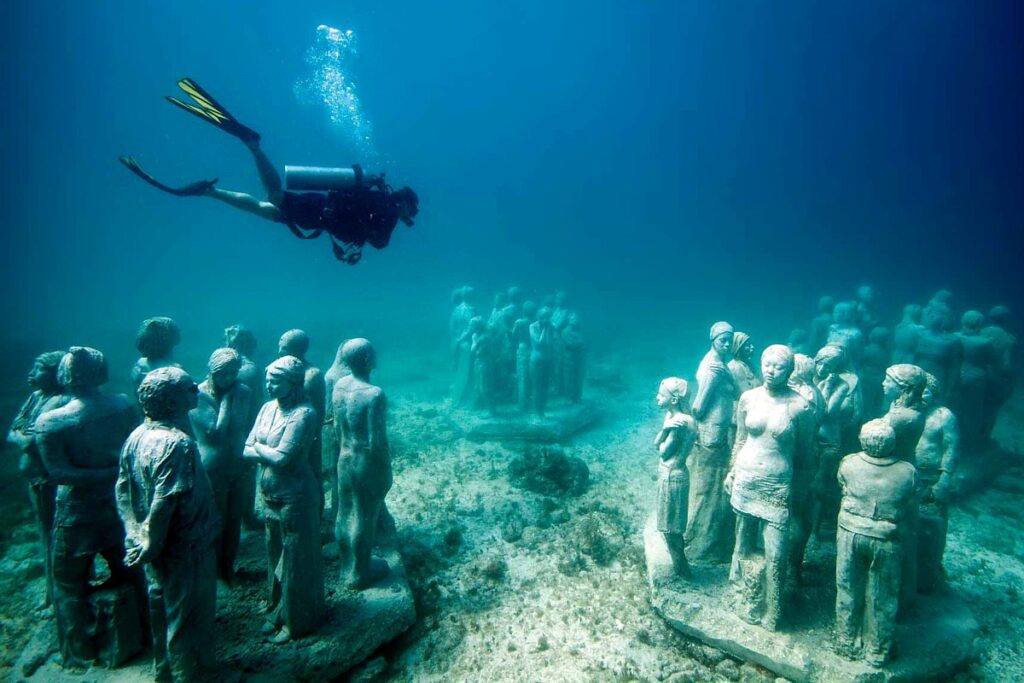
(246, 202)
(269, 176)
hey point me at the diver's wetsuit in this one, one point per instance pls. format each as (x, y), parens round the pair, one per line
(352, 218)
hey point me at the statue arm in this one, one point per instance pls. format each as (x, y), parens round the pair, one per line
(705, 384)
(950, 456)
(741, 431)
(152, 532)
(379, 424)
(292, 441)
(23, 428)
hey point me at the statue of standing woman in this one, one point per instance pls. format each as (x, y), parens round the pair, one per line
(709, 529)
(775, 429)
(280, 441)
(674, 441)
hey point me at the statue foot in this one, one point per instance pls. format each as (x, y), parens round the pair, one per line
(282, 636)
(378, 570)
(268, 628)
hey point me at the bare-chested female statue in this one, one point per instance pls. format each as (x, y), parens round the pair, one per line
(774, 433)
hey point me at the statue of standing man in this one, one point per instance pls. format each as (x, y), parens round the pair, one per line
(364, 464)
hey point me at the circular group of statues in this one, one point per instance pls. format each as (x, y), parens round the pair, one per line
(519, 354)
(858, 443)
(164, 502)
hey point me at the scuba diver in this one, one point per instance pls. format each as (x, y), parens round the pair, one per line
(353, 208)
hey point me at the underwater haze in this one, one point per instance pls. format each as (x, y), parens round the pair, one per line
(661, 161)
(668, 164)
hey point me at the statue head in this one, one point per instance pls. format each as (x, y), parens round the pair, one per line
(912, 313)
(224, 365)
(458, 295)
(742, 347)
(674, 393)
(515, 295)
(803, 369)
(776, 366)
(937, 316)
(561, 298)
(293, 343)
(157, 337)
(82, 368)
(943, 296)
(865, 294)
(797, 337)
(972, 321)
(999, 315)
(240, 339)
(721, 338)
(500, 299)
(826, 304)
(43, 375)
(903, 384)
(829, 360)
(167, 393)
(544, 315)
(530, 310)
(878, 335)
(359, 356)
(844, 313)
(877, 438)
(285, 378)
(932, 390)
(477, 324)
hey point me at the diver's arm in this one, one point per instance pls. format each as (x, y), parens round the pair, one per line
(246, 202)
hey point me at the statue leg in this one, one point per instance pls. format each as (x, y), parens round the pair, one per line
(851, 578)
(776, 562)
(344, 525)
(275, 550)
(231, 529)
(907, 586)
(43, 497)
(189, 601)
(711, 524)
(931, 546)
(70, 580)
(881, 599)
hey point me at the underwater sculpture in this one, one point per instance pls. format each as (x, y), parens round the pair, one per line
(878, 492)
(799, 342)
(939, 352)
(1003, 380)
(329, 434)
(484, 351)
(242, 340)
(364, 465)
(742, 374)
(79, 444)
(542, 350)
(462, 313)
(709, 528)
(821, 323)
(877, 357)
(903, 387)
(978, 365)
(936, 456)
(46, 395)
(295, 343)
(904, 342)
(155, 341)
(774, 433)
(845, 333)
(220, 422)
(166, 503)
(280, 441)
(865, 305)
(674, 441)
(521, 341)
(573, 360)
(806, 484)
(834, 392)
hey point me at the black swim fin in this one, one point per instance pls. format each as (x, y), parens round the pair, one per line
(195, 189)
(211, 111)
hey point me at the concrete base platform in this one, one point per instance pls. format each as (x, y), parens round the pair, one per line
(935, 640)
(561, 421)
(357, 624)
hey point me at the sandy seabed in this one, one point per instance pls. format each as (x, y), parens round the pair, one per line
(515, 586)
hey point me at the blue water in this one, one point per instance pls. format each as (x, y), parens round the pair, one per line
(667, 163)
